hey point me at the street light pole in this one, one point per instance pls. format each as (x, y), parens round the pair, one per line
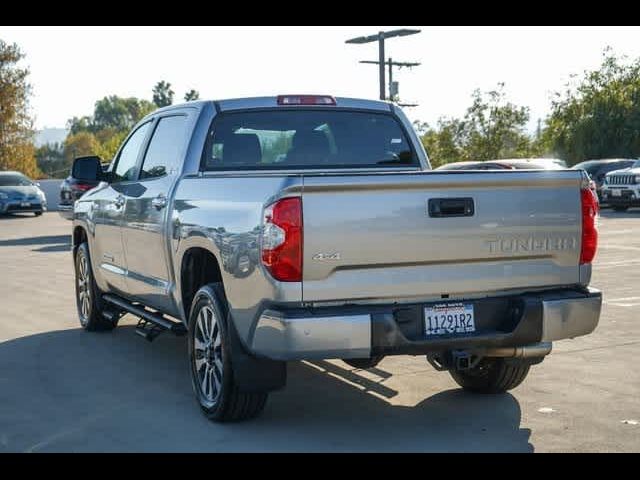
(380, 38)
(381, 60)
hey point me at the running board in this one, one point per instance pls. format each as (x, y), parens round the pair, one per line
(151, 324)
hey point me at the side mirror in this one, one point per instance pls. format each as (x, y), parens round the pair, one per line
(37, 184)
(87, 168)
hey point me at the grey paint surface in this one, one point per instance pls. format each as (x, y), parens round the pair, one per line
(63, 389)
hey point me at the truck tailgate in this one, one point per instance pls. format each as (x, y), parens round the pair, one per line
(376, 237)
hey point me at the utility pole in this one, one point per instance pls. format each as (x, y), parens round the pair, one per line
(380, 38)
(390, 63)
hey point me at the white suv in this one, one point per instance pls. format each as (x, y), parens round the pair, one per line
(621, 188)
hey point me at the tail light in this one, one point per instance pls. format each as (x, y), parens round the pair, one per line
(83, 186)
(590, 208)
(281, 242)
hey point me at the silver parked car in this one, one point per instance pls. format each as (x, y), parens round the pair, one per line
(20, 194)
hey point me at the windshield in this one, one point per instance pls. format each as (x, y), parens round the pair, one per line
(590, 167)
(307, 138)
(14, 180)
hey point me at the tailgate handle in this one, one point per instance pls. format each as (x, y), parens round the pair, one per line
(451, 207)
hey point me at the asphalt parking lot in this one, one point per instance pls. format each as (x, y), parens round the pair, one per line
(62, 389)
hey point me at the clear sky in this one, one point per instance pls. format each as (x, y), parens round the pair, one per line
(72, 67)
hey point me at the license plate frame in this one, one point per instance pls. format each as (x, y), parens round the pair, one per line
(25, 204)
(616, 193)
(451, 318)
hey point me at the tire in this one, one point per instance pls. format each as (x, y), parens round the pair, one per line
(492, 375)
(363, 363)
(620, 209)
(88, 296)
(211, 370)
(37, 214)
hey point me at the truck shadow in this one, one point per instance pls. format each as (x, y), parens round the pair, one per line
(70, 390)
(46, 243)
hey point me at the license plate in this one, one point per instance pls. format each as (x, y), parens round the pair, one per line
(25, 204)
(449, 318)
(616, 193)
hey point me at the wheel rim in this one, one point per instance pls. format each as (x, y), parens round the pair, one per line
(84, 288)
(207, 356)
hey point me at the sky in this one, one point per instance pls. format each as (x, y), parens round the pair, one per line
(72, 67)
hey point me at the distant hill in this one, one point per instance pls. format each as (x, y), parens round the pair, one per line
(50, 135)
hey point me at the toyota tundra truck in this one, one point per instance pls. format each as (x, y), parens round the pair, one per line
(301, 227)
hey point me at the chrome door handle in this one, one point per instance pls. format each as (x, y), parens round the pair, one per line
(119, 201)
(159, 202)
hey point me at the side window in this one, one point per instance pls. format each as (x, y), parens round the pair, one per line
(163, 155)
(126, 163)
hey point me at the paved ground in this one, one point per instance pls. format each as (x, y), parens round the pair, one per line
(62, 389)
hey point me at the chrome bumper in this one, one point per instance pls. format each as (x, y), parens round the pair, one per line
(66, 211)
(570, 318)
(554, 317)
(282, 338)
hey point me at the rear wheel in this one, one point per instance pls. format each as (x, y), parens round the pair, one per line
(492, 375)
(88, 296)
(363, 363)
(37, 214)
(620, 209)
(210, 358)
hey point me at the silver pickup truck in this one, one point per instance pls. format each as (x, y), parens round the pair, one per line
(306, 227)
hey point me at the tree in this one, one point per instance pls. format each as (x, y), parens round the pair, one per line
(492, 128)
(78, 145)
(50, 159)
(16, 126)
(598, 115)
(162, 94)
(113, 114)
(191, 95)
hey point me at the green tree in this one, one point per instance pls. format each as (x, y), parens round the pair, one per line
(191, 95)
(78, 145)
(492, 128)
(16, 126)
(598, 114)
(162, 94)
(50, 159)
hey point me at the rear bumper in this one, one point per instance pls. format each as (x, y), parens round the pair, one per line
(66, 211)
(359, 332)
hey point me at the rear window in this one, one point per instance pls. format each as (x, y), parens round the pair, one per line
(300, 138)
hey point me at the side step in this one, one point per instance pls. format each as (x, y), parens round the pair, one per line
(151, 324)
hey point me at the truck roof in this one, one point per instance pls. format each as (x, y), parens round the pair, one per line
(272, 102)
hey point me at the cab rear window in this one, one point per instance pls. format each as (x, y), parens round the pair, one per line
(306, 138)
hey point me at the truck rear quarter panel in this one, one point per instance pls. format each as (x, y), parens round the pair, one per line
(222, 213)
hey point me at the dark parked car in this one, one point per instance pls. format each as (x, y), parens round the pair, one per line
(598, 169)
(20, 194)
(72, 189)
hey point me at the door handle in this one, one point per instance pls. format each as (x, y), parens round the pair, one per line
(451, 207)
(119, 201)
(159, 202)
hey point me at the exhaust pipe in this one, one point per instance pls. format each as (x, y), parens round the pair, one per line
(528, 351)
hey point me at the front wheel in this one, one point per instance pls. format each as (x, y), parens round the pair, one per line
(210, 358)
(492, 375)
